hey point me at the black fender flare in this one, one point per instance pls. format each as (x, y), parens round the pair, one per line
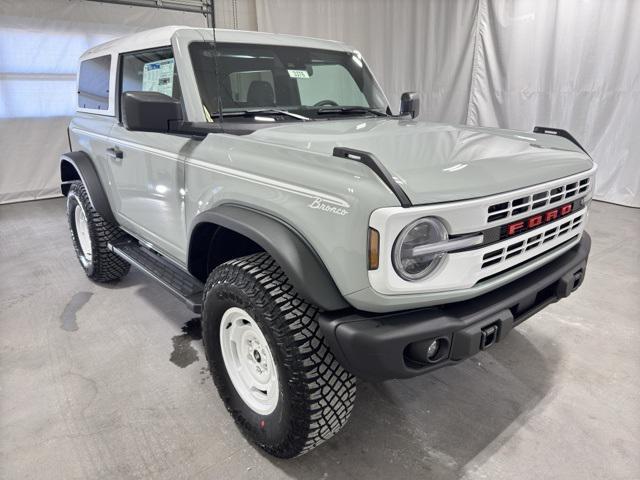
(297, 258)
(79, 166)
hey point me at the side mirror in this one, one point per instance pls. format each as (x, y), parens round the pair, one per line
(410, 104)
(150, 111)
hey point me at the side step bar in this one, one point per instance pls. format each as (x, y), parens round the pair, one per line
(177, 281)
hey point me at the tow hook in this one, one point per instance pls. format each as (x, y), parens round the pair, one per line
(488, 336)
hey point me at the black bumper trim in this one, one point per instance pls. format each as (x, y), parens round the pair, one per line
(372, 346)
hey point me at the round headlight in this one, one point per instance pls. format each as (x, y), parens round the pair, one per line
(412, 265)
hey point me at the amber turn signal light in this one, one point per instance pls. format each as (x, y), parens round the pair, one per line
(374, 249)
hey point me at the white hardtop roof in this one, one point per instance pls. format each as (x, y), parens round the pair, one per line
(162, 36)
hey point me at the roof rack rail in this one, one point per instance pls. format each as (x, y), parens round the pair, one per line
(378, 168)
(560, 133)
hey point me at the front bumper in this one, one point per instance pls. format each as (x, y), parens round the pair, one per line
(378, 346)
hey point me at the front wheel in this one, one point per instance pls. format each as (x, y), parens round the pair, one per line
(284, 388)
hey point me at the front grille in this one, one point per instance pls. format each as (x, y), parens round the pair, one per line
(537, 201)
(556, 230)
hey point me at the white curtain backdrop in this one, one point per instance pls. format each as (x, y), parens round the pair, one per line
(572, 64)
(40, 43)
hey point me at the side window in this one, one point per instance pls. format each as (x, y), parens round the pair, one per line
(330, 82)
(150, 71)
(93, 83)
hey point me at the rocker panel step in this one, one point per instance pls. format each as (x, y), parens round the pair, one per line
(177, 281)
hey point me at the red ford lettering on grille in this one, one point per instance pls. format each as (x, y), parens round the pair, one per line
(539, 219)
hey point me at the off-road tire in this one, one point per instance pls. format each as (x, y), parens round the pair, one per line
(316, 393)
(104, 266)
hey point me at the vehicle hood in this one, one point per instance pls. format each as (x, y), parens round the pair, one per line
(435, 162)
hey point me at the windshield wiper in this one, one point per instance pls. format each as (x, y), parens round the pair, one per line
(348, 110)
(263, 111)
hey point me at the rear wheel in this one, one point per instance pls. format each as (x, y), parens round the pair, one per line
(91, 235)
(284, 388)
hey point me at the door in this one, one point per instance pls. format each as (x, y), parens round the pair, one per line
(147, 168)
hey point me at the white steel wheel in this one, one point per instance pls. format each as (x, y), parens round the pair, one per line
(249, 361)
(82, 231)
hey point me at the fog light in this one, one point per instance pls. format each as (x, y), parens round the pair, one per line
(428, 351)
(432, 349)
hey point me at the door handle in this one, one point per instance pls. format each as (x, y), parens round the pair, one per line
(115, 153)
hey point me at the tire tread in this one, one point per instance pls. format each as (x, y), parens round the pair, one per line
(325, 391)
(107, 266)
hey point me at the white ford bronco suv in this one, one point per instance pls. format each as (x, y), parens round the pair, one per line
(264, 180)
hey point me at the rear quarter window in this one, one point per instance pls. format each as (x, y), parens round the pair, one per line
(93, 83)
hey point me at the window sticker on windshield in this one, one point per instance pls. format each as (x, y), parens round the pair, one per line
(298, 73)
(158, 76)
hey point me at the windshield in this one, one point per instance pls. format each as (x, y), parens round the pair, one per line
(301, 80)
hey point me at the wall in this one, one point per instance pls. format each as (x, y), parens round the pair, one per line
(236, 14)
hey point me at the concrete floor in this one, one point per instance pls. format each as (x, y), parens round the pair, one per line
(103, 382)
